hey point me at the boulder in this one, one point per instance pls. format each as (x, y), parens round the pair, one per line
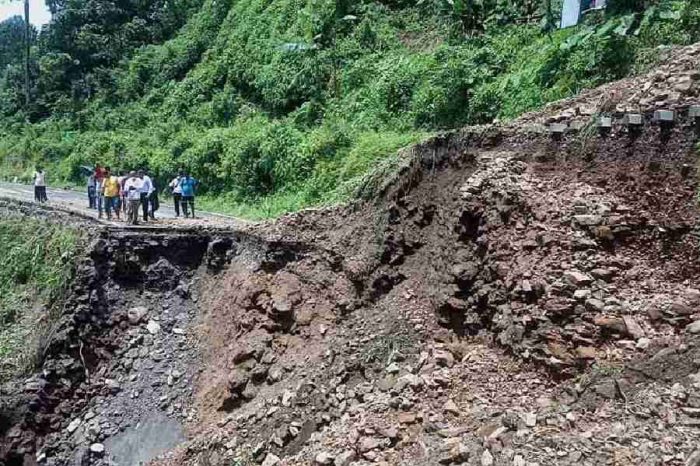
(153, 327)
(324, 459)
(611, 324)
(271, 460)
(679, 308)
(588, 220)
(595, 305)
(346, 458)
(602, 274)
(237, 381)
(693, 328)
(136, 314)
(577, 278)
(444, 358)
(97, 449)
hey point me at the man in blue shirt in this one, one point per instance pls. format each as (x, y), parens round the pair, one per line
(187, 185)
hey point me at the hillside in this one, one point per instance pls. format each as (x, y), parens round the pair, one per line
(281, 104)
(509, 296)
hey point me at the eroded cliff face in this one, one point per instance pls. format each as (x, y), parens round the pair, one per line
(504, 301)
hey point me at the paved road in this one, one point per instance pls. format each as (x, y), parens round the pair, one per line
(78, 201)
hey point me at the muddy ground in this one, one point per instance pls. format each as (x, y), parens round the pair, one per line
(509, 297)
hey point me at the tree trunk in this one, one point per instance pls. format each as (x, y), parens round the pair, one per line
(27, 46)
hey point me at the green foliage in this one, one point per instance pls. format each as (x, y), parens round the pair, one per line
(12, 40)
(279, 104)
(36, 264)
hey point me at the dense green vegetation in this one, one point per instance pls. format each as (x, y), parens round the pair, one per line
(279, 104)
(36, 262)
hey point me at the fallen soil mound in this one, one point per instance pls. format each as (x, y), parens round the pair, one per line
(513, 296)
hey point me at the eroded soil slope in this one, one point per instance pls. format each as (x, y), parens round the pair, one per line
(510, 297)
(514, 297)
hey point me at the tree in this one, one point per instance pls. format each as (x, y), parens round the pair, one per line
(28, 36)
(12, 41)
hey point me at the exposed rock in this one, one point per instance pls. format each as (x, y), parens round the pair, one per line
(393, 368)
(679, 308)
(588, 220)
(611, 324)
(346, 458)
(97, 449)
(237, 381)
(486, 458)
(271, 460)
(595, 305)
(602, 274)
(367, 444)
(693, 459)
(633, 328)
(693, 328)
(530, 419)
(586, 352)
(153, 327)
(454, 452)
(136, 314)
(452, 408)
(643, 343)
(324, 459)
(73, 426)
(577, 278)
(444, 358)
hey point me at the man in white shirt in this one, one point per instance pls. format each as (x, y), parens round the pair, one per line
(177, 192)
(132, 189)
(146, 191)
(40, 185)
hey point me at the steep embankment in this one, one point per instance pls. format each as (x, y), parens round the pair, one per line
(510, 297)
(576, 253)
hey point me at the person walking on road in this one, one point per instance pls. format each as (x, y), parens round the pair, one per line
(40, 185)
(177, 192)
(146, 190)
(111, 194)
(92, 195)
(132, 187)
(188, 186)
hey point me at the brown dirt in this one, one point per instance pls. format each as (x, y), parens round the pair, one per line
(576, 255)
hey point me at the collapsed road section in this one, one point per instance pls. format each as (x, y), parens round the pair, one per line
(119, 367)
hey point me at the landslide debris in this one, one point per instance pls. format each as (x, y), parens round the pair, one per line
(511, 297)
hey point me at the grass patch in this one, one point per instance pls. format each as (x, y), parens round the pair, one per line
(37, 260)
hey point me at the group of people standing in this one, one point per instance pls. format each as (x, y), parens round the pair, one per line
(127, 192)
(115, 194)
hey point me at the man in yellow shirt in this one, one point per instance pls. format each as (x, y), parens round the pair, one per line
(111, 190)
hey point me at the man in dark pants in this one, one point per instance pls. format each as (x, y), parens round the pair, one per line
(188, 185)
(146, 190)
(154, 201)
(92, 195)
(177, 192)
